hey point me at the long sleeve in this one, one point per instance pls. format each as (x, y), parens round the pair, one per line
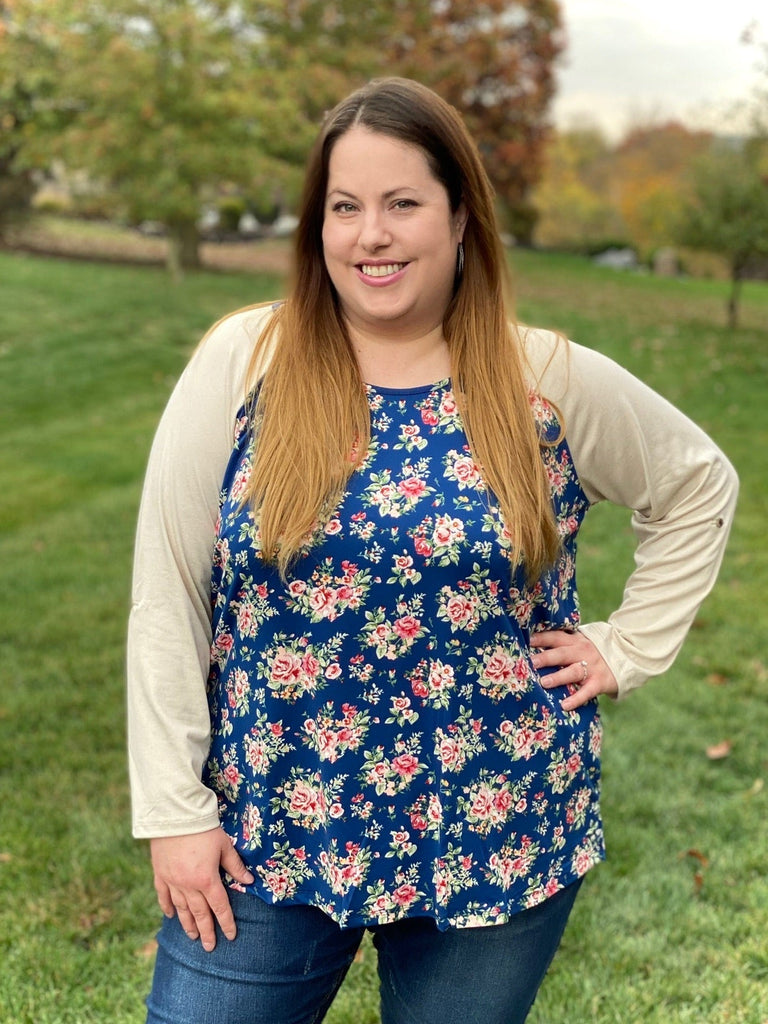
(631, 447)
(169, 632)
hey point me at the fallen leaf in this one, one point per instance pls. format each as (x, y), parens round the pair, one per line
(717, 679)
(147, 950)
(719, 750)
(698, 874)
(756, 787)
(6, 858)
(696, 855)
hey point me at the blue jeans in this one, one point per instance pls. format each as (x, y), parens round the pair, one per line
(287, 963)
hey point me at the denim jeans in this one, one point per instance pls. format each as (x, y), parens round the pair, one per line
(287, 963)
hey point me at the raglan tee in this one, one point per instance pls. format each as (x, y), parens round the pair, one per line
(371, 733)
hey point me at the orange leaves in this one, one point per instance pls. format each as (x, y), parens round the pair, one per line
(640, 181)
(718, 751)
(699, 863)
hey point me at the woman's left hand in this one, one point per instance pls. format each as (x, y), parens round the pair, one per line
(579, 664)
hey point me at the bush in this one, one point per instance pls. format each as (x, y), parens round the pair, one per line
(49, 202)
(230, 209)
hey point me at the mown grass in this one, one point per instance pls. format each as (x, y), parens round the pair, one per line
(673, 928)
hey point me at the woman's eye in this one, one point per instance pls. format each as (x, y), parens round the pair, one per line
(404, 204)
(344, 208)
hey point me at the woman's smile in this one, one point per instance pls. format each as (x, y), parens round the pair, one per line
(378, 274)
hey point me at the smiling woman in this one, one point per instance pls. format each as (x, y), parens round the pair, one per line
(360, 694)
(391, 254)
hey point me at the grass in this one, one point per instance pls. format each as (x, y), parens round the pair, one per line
(673, 928)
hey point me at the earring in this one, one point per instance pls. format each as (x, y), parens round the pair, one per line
(460, 260)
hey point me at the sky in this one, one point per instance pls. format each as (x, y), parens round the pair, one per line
(635, 61)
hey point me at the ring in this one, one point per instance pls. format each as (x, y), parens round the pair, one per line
(585, 670)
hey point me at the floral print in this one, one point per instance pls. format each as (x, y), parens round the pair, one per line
(381, 743)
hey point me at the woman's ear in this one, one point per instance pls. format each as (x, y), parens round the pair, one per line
(460, 220)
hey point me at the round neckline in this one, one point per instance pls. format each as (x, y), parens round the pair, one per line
(420, 389)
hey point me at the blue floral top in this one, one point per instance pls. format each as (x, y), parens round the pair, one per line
(381, 744)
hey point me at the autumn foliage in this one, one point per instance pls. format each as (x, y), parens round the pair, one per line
(495, 62)
(162, 102)
(593, 194)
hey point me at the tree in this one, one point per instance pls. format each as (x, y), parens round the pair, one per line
(629, 193)
(160, 101)
(728, 213)
(323, 47)
(651, 167)
(573, 195)
(22, 85)
(16, 181)
(494, 61)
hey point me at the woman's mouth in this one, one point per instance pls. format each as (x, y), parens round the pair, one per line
(381, 269)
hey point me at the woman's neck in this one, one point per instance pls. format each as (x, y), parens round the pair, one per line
(395, 362)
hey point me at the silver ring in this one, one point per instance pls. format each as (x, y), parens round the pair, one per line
(585, 669)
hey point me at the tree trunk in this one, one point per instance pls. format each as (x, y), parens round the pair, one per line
(733, 298)
(183, 248)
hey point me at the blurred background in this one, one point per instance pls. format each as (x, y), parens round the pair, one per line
(618, 127)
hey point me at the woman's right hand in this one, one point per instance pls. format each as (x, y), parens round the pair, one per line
(188, 882)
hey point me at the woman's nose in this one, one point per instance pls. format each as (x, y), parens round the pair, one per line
(374, 233)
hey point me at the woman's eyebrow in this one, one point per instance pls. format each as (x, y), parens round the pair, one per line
(387, 195)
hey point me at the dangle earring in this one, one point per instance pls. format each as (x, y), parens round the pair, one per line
(460, 260)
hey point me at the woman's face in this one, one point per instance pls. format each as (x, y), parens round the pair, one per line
(389, 236)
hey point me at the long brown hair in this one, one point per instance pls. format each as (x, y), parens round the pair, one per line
(312, 416)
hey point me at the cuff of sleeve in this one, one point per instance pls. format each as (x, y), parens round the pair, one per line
(158, 828)
(629, 675)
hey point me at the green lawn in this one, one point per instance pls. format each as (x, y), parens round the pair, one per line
(673, 928)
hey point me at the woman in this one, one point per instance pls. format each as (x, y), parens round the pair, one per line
(360, 697)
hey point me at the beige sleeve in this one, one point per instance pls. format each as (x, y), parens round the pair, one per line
(169, 631)
(632, 448)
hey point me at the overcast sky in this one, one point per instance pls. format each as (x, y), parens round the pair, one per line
(635, 60)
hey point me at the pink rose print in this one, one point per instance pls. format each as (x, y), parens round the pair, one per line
(412, 487)
(286, 667)
(322, 601)
(404, 895)
(407, 627)
(449, 752)
(405, 765)
(419, 688)
(304, 799)
(422, 547)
